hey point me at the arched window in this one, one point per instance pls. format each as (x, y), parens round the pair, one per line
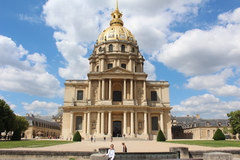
(110, 48)
(122, 48)
(100, 49)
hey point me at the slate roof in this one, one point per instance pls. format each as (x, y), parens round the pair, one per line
(33, 120)
(193, 122)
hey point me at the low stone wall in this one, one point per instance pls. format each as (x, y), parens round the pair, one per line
(43, 155)
(199, 154)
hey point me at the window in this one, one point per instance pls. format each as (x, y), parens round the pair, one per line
(97, 68)
(110, 48)
(133, 49)
(153, 96)
(100, 49)
(117, 96)
(79, 123)
(123, 65)
(122, 48)
(110, 65)
(155, 123)
(80, 95)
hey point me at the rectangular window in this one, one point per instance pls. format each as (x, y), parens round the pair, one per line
(80, 95)
(123, 66)
(155, 123)
(110, 65)
(79, 123)
(153, 96)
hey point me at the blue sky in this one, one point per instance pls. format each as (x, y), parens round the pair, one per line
(193, 44)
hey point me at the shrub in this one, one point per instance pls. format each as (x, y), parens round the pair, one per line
(160, 136)
(77, 137)
(16, 135)
(219, 135)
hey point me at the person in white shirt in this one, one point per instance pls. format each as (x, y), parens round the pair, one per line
(111, 153)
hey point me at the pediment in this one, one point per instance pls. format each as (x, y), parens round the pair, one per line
(118, 70)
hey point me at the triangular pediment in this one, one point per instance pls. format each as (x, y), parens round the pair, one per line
(118, 70)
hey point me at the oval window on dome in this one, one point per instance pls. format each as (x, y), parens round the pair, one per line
(111, 35)
(122, 36)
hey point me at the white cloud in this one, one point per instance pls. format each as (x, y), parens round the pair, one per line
(41, 107)
(230, 17)
(209, 81)
(226, 90)
(80, 22)
(149, 68)
(24, 72)
(207, 105)
(199, 52)
(31, 19)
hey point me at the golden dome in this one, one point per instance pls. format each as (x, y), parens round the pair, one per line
(116, 31)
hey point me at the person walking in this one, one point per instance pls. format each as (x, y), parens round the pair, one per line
(124, 147)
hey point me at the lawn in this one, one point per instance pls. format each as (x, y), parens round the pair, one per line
(209, 143)
(31, 143)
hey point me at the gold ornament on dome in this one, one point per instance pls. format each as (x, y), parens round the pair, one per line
(116, 31)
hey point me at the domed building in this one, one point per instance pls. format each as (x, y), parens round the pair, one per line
(116, 100)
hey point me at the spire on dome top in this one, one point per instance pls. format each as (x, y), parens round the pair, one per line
(116, 17)
(116, 4)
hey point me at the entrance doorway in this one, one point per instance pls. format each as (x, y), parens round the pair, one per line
(117, 129)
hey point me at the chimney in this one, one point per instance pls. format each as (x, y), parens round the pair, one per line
(198, 116)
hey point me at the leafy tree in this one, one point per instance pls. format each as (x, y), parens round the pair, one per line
(7, 117)
(77, 137)
(234, 118)
(20, 125)
(160, 136)
(219, 135)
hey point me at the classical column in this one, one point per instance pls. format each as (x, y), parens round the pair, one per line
(144, 90)
(149, 123)
(132, 124)
(135, 89)
(145, 123)
(99, 89)
(102, 123)
(89, 123)
(136, 123)
(89, 89)
(103, 89)
(85, 123)
(110, 89)
(131, 89)
(114, 63)
(125, 123)
(124, 90)
(102, 65)
(161, 123)
(98, 122)
(130, 63)
(109, 123)
(71, 123)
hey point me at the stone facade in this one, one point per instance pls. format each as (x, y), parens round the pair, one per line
(40, 128)
(116, 100)
(194, 127)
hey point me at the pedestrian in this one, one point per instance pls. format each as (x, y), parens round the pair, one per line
(111, 153)
(104, 138)
(124, 147)
(94, 139)
(91, 138)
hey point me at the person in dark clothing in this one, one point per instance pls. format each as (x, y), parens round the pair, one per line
(124, 147)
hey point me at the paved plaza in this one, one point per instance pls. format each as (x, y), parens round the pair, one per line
(132, 146)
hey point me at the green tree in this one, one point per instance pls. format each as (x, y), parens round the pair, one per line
(7, 117)
(160, 136)
(225, 130)
(234, 118)
(77, 137)
(20, 125)
(219, 135)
